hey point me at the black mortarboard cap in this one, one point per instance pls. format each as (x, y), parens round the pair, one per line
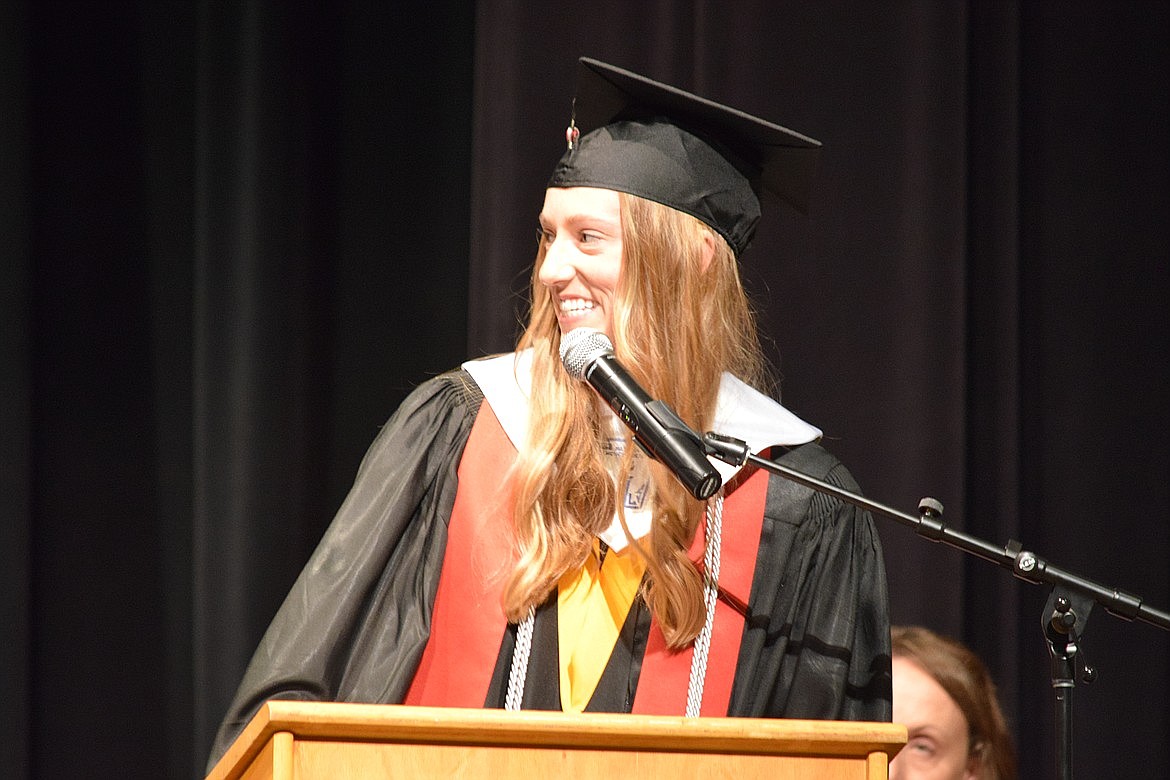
(684, 151)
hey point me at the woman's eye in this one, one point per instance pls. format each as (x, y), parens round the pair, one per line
(921, 746)
(588, 238)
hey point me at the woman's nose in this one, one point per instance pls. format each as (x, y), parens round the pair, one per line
(557, 266)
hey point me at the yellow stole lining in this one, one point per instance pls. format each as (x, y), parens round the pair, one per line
(592, 604)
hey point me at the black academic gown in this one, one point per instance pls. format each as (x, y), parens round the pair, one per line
(353, 628)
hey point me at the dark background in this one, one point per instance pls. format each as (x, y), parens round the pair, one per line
(234, 235)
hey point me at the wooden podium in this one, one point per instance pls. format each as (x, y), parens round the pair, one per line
(289, 740)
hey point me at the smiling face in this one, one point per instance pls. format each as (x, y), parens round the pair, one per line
(937, 743)
(581, 236)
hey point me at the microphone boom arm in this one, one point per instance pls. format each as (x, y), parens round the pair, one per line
(1024, 564)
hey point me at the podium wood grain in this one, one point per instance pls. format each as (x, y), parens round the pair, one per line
(289, 740)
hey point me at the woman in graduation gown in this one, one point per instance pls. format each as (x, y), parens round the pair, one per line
(506, 544)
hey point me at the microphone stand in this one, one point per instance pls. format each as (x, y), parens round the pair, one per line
(1071, 600)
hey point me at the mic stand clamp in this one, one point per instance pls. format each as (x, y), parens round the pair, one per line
(1063, 622)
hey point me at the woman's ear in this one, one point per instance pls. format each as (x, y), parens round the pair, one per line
(974, 767)
(708, 250)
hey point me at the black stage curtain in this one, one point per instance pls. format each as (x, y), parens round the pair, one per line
(234, 235)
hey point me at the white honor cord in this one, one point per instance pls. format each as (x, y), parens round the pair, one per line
(711, 552)
(519, 670)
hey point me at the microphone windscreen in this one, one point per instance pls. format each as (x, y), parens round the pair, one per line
(580, 347)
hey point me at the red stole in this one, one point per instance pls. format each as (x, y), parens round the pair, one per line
(467, 622)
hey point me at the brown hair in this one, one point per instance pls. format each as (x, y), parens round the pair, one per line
(677, 327)
(966, 680)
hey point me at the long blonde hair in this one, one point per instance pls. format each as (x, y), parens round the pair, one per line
(677, 327)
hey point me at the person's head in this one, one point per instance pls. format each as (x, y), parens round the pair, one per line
(643, 220)
(946, 698)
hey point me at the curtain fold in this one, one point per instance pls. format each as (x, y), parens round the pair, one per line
(15, 396)
(994, 331)
(265, 140)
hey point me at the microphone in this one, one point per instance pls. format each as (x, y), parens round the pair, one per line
(587, 354)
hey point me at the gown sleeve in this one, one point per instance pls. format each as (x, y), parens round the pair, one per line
(816, 640)
(356, 621)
